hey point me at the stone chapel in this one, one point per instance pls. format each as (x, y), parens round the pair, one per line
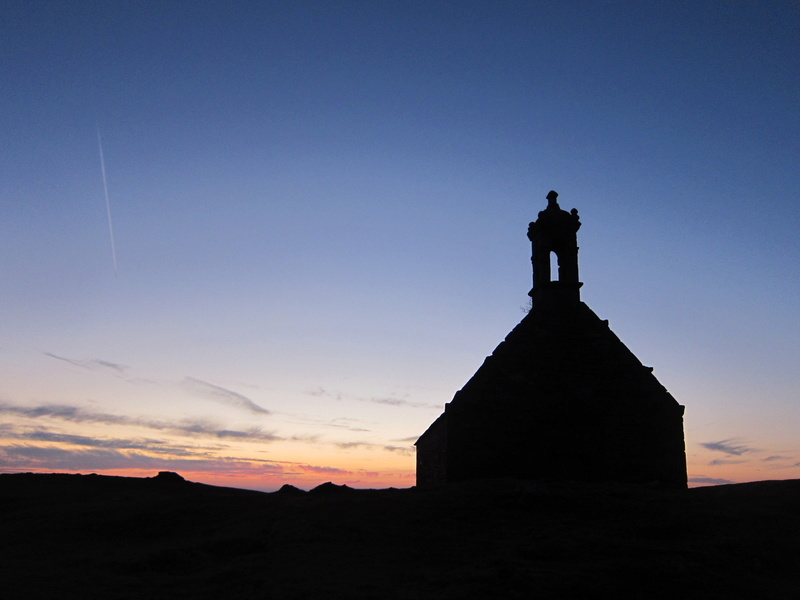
(562, 398)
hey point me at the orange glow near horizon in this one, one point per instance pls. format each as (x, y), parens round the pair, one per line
(252, 476)
(265, 483)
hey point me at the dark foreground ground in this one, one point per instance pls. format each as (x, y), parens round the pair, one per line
(88, 536)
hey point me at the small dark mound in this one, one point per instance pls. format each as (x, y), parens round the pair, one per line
(329, 488)
(168, 477)
(290, 490)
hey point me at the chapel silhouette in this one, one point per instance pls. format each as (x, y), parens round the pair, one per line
(562, 398)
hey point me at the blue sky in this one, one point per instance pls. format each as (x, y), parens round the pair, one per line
(319, 214)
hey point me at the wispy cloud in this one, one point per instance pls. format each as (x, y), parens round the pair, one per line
(194, 385)
(393, 401)
(223, 395)
(387, 400)
(775, 458)
(100, 459)
(722, 461)
(730, 446)
(346, 423)
(203, 428)
(320, 392)
(324, 470)
(351, 445)
(149, 445)
(90, 363)
(30, 436)
(709, 480)
(186, 427)
(65, 412)
(404, 450)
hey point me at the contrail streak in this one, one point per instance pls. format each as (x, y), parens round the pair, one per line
(108, 204)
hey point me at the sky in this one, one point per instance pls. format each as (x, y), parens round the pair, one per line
(315, 227)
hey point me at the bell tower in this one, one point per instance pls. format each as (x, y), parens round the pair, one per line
(554, 236)
(561, 398)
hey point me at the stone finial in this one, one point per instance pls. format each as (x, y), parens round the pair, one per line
(552, 199)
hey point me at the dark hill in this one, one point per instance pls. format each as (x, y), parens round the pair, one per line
(90, 536)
